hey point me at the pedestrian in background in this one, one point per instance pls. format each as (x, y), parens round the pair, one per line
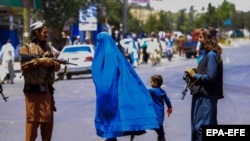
(160, 98)
(133, 50)
(39, 77)
(199, 53)
(54, 50)
(7, 54)
(123, 103)
(77, 41)
(208, 83)
(153, 49)
(68, 42)
(179, 43)
(143, 51)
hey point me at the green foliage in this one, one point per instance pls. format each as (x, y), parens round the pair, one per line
(181, 20)
(57, 14)
(151, 25)
(60, 13)
(224, 10)
(134, 25)
(247, 19)
(165, 21)
(113, 10)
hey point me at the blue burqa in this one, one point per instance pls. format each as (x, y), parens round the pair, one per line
(123, 103)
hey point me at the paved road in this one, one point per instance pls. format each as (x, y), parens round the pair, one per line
(75, 100)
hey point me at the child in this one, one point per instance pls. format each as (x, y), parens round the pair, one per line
(159, 96)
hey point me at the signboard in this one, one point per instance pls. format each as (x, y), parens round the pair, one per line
(139, 1)
(88, 18)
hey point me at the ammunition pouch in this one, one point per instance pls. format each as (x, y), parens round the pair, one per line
(37, 89)
(38, 76)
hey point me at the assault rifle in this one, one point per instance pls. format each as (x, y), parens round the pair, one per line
(1, 91)
(187, 85)
(28, 57)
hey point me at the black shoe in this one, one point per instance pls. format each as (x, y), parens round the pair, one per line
(111, 139)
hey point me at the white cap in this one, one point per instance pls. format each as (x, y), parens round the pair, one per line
(36, 25)
(77, 36)
(133, 35)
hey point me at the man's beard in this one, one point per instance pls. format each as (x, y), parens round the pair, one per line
(43, 44)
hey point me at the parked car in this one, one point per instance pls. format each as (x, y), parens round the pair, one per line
(189, 47)
(82, 55)
(237, 34)
(126, 41)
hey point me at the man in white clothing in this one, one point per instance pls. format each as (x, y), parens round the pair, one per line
(153, 50)
(7, 54)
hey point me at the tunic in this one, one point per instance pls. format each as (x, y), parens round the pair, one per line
(39, 106)
(160, 97)
(206, 92)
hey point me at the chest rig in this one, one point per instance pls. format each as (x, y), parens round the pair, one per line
(39, 75)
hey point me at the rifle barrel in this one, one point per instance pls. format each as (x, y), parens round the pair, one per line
(64, 62)
(3, 96)
(28, 57)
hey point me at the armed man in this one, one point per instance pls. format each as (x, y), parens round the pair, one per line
(39, 77)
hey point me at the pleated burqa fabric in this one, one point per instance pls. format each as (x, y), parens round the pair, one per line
(123, 102)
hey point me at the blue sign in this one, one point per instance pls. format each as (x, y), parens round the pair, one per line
(227, 22)
(88, 18)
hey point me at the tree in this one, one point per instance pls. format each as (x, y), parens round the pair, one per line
(247, 23)
(113, 10)
(165, 21)
(224, 11)
(181, 20)
(210, 18)
(58, 14)
(150, 25)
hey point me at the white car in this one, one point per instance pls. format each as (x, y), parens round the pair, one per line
(81, 55)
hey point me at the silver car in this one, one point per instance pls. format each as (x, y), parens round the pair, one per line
(80, 55)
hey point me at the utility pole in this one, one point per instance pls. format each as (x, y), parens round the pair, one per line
(124, 16)
(26, 19)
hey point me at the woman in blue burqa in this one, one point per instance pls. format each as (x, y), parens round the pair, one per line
(123, 103)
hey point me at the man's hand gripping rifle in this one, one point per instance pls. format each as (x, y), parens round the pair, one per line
(189, 83)
(28, 57)
(1, 91)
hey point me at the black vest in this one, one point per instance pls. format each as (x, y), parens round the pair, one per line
(214, 87)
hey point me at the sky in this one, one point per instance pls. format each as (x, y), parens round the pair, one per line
(176, 5)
